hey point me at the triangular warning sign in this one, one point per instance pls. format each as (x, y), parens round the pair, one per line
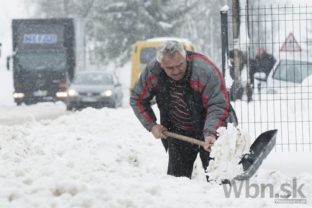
(290, 44)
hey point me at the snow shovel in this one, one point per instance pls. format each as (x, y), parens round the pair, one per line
(258, 151)
(184, 138)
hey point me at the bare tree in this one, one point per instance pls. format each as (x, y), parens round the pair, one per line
(112, 26)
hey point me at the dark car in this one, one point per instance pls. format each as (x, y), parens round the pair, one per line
(94, 89)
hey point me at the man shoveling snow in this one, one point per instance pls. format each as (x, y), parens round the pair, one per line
(192, 100)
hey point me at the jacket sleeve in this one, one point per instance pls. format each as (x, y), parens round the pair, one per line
(141, 96)
(215, 100)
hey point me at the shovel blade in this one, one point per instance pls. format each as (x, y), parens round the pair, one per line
(258, 151)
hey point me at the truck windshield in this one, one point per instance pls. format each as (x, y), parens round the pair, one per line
(42, 61)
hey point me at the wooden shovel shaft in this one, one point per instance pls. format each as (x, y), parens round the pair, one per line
(183, 138)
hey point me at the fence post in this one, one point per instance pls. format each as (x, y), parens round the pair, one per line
(224, 36)
(236, 93)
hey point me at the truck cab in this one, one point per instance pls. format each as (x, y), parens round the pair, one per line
(46, 54)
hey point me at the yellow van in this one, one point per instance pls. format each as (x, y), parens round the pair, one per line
(145, 51)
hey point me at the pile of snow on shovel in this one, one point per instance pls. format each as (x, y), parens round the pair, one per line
(227, 151)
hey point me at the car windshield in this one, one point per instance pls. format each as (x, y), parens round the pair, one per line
(42, 61)
(94, 79)
(292, 70)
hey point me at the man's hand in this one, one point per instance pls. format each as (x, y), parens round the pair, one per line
(157, 131)
(209, 141)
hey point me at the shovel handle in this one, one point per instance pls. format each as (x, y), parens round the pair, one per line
(184, 138)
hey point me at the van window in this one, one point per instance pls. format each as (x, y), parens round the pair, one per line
(147, 55)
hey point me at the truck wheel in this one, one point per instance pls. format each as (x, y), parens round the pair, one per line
(69, 107)
(28, 102)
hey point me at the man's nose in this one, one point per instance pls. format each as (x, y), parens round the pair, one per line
(175, 70)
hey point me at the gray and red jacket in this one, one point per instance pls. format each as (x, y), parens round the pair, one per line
(205, 94)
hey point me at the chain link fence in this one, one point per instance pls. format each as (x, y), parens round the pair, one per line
(267, 65)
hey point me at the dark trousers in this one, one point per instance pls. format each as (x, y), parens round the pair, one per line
(182, 156)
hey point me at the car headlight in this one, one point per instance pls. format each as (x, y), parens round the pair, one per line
(72, 93)
(18, 95)
(107, 93)
(61, 94)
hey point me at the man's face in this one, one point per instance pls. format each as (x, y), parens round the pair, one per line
(175, 66)
(259, 52)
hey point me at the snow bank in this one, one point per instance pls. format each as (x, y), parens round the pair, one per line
(104, 158)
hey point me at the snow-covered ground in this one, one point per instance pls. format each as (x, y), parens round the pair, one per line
(11, 115)
(104, 158)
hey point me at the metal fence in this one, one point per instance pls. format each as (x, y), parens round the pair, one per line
(267, 65)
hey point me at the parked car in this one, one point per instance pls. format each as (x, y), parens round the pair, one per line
(287, 76)
(95, 89)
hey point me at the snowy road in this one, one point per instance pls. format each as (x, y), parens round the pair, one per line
(11, 115)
